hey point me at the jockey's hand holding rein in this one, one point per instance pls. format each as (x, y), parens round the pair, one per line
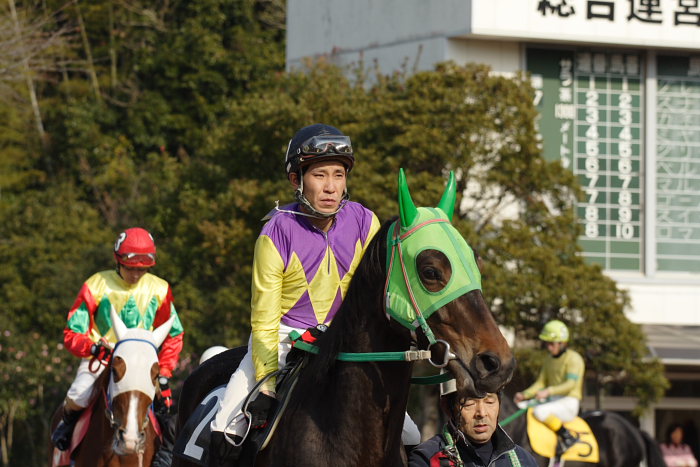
(165, 401)
(101, 351)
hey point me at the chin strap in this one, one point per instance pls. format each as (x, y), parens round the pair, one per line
(299, 194)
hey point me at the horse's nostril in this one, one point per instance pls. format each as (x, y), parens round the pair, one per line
(487, 363)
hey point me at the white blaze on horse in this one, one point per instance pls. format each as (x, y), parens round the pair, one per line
(120, 430)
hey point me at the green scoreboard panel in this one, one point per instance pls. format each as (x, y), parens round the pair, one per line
(590, 107)
(678, 164)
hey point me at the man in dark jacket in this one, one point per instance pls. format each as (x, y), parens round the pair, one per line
(471, 437)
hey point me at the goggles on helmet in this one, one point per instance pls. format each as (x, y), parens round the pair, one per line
(138, 259)
(325, 146)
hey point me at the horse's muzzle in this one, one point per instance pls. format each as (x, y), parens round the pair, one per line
(124, 445)
(491, 372)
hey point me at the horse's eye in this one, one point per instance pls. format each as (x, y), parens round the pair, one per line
(431, 274)
(434, 269)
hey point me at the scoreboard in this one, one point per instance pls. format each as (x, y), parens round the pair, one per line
(592, 106)
(678, 164)
(591, 120)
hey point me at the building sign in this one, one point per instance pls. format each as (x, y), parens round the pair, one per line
(591, 112)
(678, 164)
(662, 23)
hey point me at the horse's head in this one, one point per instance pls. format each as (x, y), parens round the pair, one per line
(434, 285)
(132, 382)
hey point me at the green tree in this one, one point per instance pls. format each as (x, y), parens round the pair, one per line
(175, 116)
(517, 208)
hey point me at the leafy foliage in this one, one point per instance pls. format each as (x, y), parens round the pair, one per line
(175, 116)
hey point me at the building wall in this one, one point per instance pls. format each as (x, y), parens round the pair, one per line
(505, 57)
(388, 30)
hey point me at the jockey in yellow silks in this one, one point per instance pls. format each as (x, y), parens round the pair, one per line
(559, 384)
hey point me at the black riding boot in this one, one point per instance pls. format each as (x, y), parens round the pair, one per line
(221, 452)
(566, 439)
(63, 433)
(164, 456)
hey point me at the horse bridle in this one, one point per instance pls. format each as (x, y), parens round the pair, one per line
(421, 320)
(109, 413)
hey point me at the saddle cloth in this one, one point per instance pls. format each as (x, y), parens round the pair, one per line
(193, 441)
(544, 441)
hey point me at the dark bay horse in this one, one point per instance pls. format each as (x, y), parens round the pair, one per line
(417, 283)
(621, 444)
(120, 431)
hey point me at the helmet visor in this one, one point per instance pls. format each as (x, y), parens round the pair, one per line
(138, 259)
(326, 144)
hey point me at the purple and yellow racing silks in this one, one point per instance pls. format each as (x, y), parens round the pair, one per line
(301, 275)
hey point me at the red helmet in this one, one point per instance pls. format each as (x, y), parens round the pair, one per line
(135, 248)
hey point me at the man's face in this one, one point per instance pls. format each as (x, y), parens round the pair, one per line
(324, 184)
(480, 417)
(554, 347)
(131, 275)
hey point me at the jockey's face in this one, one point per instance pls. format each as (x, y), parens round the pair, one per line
(131, 275)
(324, 184)
(554, 348)
(480, 417)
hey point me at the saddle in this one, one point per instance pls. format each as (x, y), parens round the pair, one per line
(544, 441)
(193, 441)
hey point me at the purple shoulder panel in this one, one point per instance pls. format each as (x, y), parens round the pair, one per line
(353, 223)
(283, 228)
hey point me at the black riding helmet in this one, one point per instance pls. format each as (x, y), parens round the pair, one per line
(316, 142)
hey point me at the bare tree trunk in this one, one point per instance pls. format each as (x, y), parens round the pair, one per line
(4, 455)
(88, 54)
(28, 78)
(112, 49)
(7, 432)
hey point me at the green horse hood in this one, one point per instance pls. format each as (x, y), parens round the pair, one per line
(418, 229)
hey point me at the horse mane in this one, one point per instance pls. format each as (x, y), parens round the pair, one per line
(101, 382)
(364, 293)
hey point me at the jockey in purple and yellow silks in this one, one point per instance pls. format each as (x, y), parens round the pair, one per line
(300, 275)
(141, 300)
(304, 260)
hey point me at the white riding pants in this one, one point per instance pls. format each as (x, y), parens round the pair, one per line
(80, 391)
(229, 416)
(564, 408)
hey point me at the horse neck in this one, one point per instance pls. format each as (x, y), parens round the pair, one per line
(517, 428)
(360, 405)
(98, 439)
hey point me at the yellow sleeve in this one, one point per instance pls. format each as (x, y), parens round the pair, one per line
(266, 311)
(530, 392)
(575, 368)
(373, 229)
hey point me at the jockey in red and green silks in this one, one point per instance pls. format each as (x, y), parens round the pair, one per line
(146, 304)
(141, 300)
